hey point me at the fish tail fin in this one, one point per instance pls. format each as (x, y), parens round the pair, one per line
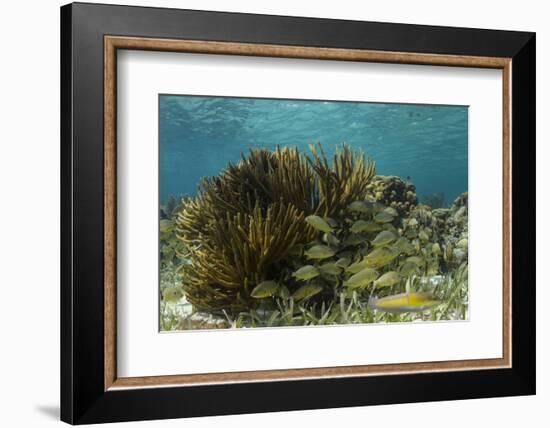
(371, 304)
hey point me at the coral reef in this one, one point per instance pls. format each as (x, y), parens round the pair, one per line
(450, 229)
(171, 247)
(285, 238)
(393, 192)
(341, 183)
(243, 222)
(237, 253)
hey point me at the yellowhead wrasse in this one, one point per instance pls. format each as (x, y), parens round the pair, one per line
(404, 302)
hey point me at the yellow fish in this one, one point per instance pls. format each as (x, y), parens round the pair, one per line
(391, 211)
(362, 278)
(383, 238)
(357, 266)
(318, 223)
(330, 239)
(372, 227)
(165, 225)
(383, 217)
(417, 260)
(436, 249)
(264, 289)
(359, 226)
(330, 268)
(172, 294)
(404, 302)
(359, 206)
(319, 252)
(306, 272)
(403, 245)
(463, 243)
(388, 279)
(307, 291)
(423, 236)
(354, 240)
(408, 268)
(343, 262)
(380, 256)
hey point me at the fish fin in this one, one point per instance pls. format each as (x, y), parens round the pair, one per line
(371, 304)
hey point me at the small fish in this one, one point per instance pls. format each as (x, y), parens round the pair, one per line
(357, 266)
(330, 268)
(359, 207)
(318, 223)
(165, 225)
(348, 254)
(388, 279)
(417, 260)
(373, 227)
(283, 292)
(404, 302)
(390, 227)
(354, 240)
(380, 257)
(334, 280)
(359, 226)
(332, 223)
(306, 291)
(296, 251)
(383, 217)
(172, 294)
(361, 278)
(403, 245)
(173, 240)
(319, 252)
(436, 249)
(306, 272)
(343, 262)
(264, 289)
(391, 211)
(330, 239)
(423, 236)
(383, 238)
(408, 268)
(463, 244)
(363, 251)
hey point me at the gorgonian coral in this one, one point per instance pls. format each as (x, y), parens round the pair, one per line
(243, 222)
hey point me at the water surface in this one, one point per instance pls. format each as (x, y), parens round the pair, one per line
(200, 135)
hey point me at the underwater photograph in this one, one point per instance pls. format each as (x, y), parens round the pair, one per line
(295, 213)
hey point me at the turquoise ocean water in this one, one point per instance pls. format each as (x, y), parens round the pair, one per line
(200, 135)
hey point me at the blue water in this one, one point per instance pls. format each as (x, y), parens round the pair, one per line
(200, 135)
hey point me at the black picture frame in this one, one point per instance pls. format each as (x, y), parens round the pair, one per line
(83, 398)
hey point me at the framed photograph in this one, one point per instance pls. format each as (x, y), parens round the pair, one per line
(265, 213)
